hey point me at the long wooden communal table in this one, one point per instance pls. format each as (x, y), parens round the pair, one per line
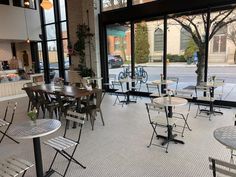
(70, 91)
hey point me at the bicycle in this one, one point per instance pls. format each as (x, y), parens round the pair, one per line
(140, 73)
(125, 73)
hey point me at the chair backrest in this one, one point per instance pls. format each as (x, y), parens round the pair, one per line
(201, 89)
(117, 84)
(30, 93)
(152, 87)
(187, 94)
(156, 113)
(29, 84)
(75, 117)
(98, 97)
(10, 111)
(222, 167)
(174, 79)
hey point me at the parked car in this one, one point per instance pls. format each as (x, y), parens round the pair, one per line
(114, 61)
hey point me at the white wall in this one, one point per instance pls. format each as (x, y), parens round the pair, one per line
(5, 51)
(13, 24)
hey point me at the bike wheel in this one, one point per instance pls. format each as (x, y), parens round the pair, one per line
(145, 77)
(121, 75)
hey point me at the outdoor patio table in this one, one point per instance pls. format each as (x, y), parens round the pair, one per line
(29, 130)
(170, 102)
(226, 136)
(212, 86)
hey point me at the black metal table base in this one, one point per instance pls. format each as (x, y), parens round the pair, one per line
(167, 140)
(211, 112)
(38, 159)
(170, 137)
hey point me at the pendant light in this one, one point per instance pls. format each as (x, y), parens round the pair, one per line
(26, 25)
(46, 4)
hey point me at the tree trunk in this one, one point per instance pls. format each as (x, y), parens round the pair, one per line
(200, 65)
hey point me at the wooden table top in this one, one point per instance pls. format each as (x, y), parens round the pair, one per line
(66, 90)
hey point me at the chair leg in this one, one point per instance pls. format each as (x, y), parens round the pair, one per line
(28, 106)
(154, 128)
(5, 134)
(101, 117)
(54, 158)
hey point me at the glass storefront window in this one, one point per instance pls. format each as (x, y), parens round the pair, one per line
(118, 49)
(51, 32)
(52, 53)
(149, 39)
(62, 10)
(49, 15)
(113, 4)
(40, 55)
(64, 30)
(65, 52)
(141, 1)
(221, 61)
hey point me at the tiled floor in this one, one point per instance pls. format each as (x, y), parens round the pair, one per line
(119, 149)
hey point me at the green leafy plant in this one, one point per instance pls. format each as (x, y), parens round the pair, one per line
(32, 114)
(84, 36)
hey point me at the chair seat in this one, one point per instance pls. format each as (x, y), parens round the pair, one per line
(60, 143)
(3, 123)
(13, 166)
(161, 120)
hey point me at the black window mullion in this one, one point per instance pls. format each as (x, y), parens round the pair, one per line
(59, 40)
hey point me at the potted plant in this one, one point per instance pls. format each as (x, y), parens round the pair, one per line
(33, 115)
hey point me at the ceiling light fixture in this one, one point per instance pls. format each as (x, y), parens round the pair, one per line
(46, 4)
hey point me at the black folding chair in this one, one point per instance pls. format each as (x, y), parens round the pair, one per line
(61, 144)
(8, 119)
(157, 116)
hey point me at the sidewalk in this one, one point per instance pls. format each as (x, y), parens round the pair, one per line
(183, 64)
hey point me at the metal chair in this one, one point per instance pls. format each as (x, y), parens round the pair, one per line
(120, 91)
(94, 108)
(8, 119)
(157, 116)
(184, 115)
(14, 166)
(204, 100)
(174, 79)
(61, 144)
(29, 93)
(222, 167)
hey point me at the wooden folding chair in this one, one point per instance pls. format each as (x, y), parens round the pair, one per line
(61, 144)
(14, 166)
(8, 119)
(222, 167)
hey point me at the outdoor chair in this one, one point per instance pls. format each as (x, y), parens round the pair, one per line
(61, 144)
(153, 88)
(108, 85)
(7, 120)
(157, 117)
(175, 80)
(94, 108)
(119, 92)
(183, 114)
(14, 166)
(203, 98)
(222, 167)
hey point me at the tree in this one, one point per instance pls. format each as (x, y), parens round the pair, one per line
(190, 49)
(113, 4)
(141, 43)
(232, 37)
(196, 25)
